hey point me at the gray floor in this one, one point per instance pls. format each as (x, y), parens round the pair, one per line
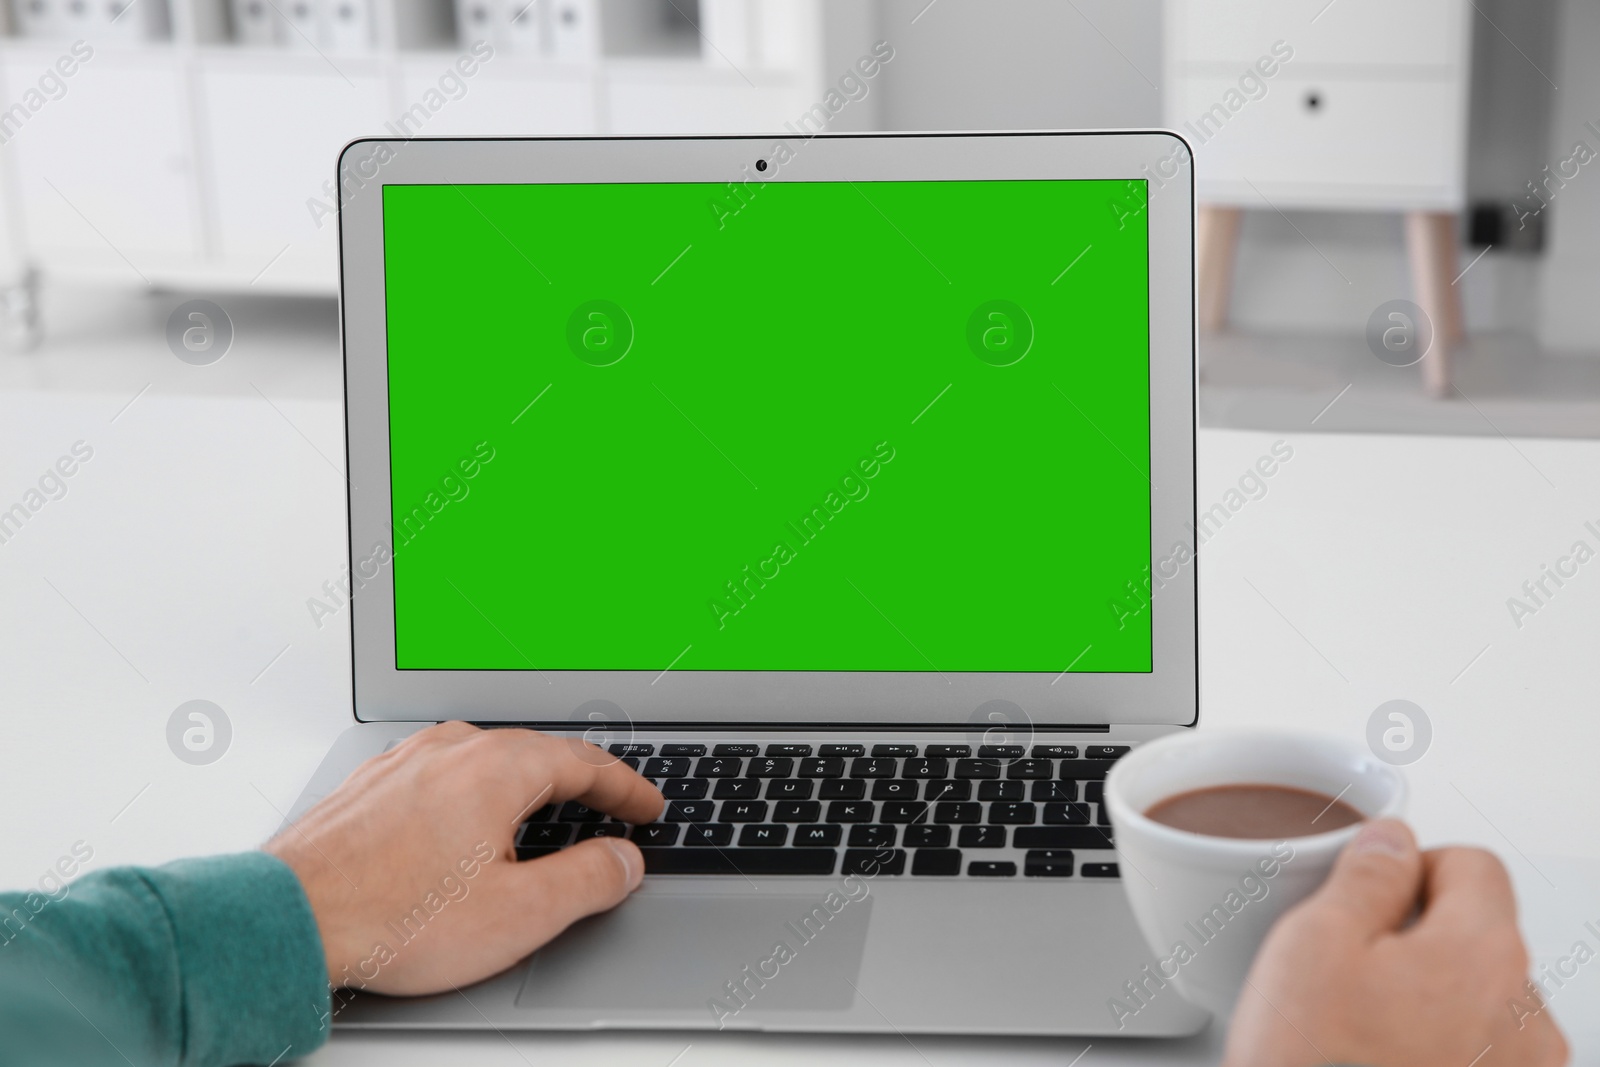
(114, 341)
(1504, 386)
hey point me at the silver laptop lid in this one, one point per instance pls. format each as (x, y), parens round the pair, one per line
(876, 429)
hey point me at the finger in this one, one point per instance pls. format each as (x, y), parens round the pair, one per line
(553, 769)
(1375, 880)
(1466, 889)
(558, 890)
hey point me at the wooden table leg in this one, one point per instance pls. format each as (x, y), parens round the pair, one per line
(1216, 241)
(1431, 243)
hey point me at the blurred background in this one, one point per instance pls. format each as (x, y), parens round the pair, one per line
(1350, 154)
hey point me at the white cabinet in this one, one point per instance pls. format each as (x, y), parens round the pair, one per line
(105, 169)
(1326, 105)
(503, 98)
(1329, 142)
(1368, 110)
(273, 130)
(708, 102)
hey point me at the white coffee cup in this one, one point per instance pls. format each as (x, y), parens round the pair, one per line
(1205, 904)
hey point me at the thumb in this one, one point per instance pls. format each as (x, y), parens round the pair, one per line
(556, 891)
(1375, 881)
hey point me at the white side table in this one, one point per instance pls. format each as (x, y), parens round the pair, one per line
(1354, 105)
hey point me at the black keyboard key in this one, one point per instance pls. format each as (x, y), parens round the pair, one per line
(1101, 870)
(1066, 814)
(796, 811)
(1103, 817)
(936, 861)
(946, 789)
(736, 750)
(1061, 837)
(817, 836)
(689, 811)
(631, 762)
(531, 853)
(1031, 769)
(926, 768)
(1048, 863)
(982, 837)
(1106, 751)
(958, 812)
(790, 789)
(1001, 751)
(1054, 752)
(667, 767)
(904, 811)
(544, 814)
(922, 836)
(977, 768)
(873, 862)
(717, 767)
(708, 834)
(572, 811)
(948, 751)
(765, 835)
(851, 811)
(843, 789)
(770, 767)
(1085, 769)
(894, 750)
(822, 767)
(601, 829)
(545, 834)
(789, 750)
(842, 750)
(1001, 791)
(744, 811)
(1058, 791)
(873, 836)
(683, 750)
(737, 788)
(739, 861)
(1094, 792)
(895, 789)
(871, 767)
(656, 833)
(1011, 814)
(991, 869)
(632, 750)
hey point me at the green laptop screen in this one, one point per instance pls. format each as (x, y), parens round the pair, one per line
(821, 426)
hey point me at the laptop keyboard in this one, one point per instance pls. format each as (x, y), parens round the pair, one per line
(921, 810)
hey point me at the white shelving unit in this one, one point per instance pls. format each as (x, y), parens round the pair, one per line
(194, 161)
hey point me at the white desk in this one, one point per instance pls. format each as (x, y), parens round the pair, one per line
(1374, 568)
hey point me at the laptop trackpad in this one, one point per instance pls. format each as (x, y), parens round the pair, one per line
(670, 953)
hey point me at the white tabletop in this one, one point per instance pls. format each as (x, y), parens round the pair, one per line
(179, 562)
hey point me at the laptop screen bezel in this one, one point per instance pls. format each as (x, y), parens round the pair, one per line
(1167, 695)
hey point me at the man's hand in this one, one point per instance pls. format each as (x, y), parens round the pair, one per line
(410, 867)
(1342, 978)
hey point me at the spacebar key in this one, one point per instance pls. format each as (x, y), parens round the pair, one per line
(1062, 837)
(739, 860)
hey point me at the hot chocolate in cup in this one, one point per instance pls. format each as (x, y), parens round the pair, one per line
(1205, 901)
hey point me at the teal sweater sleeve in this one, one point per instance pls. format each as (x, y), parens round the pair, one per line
(201, 963)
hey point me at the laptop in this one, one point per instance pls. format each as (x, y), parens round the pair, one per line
(843, 486)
